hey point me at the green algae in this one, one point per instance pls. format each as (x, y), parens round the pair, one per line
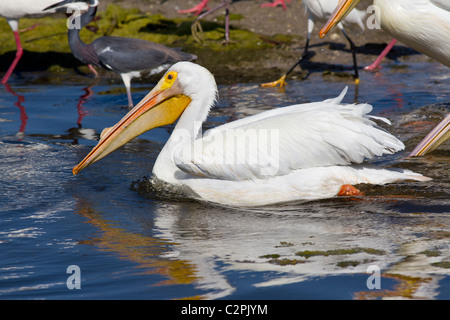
(231, 16)
(431, 253)
(272, 256)
(49, 34)
(443, 264)
(275, 259)
(284, 244)
(286, 262)
(311, 253)
(348, 263)
(306, 254)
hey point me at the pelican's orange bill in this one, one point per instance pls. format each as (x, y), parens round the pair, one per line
(342, 10)
(162, 106)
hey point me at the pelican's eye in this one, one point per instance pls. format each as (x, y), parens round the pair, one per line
(169, 79)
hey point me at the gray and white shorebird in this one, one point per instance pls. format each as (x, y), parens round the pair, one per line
(129, 57)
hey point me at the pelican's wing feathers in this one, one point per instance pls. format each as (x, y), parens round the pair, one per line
(282, 140)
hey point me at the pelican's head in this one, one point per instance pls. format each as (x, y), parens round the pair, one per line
(343, 9)
(182, 84)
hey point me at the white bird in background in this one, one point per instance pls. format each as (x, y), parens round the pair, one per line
(300, 152)
(17, 9)
(321, 10)
(423, 25)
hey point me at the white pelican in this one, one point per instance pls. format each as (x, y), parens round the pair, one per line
(14, 10)
(321, 10)
(423, 25)
(306, 151)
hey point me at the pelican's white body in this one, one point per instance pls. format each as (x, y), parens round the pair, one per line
(423, 25)
(319, 147)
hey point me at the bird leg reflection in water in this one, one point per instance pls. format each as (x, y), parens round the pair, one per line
(23, 113)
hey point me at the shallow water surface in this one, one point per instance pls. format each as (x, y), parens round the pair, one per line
(130, 244)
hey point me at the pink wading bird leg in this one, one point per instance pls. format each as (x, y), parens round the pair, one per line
(376, 64)
(19, 52)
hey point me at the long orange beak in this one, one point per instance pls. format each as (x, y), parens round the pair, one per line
(161, 106)
(342, 10)
(434, 139)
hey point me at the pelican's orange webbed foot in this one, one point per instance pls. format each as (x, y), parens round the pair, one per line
(349, 190)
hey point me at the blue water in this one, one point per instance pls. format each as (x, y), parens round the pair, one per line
(129, 244)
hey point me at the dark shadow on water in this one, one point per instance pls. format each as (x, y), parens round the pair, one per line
(373, 49)
(396, 52)
(168, 27)
(344, 71)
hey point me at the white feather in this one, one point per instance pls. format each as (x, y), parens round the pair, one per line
(304, 136)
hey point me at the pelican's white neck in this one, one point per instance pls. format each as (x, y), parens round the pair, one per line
(195, 114)
(199, 85)
(203, 92)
